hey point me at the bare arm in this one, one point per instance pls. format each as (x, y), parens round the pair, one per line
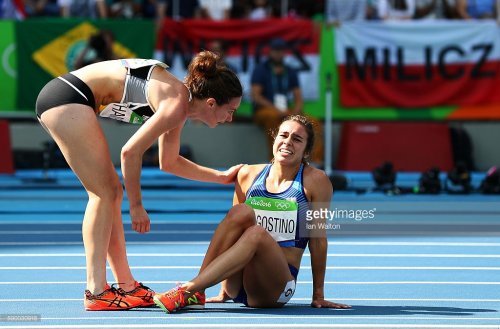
(102, 8)
(161, 9)
(462, 9)
(298, 101)
(321, 194)
(171, 161)
(259, 99)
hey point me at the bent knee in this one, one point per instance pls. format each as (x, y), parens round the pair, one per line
(255, 234)
(241, 215)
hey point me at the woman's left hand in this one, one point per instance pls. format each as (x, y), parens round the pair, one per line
(229, 176)
(321, 303)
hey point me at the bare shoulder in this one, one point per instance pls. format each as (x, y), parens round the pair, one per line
(316, 182)
(247, 175)
(165, 82)
(167, 93)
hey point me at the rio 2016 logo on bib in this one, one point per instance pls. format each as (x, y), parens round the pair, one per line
(277, 216)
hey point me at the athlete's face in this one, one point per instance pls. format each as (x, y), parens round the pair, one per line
(221, 113)
(290, 143)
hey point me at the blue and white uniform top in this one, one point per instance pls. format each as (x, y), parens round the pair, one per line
(284, 226)
(134, 107)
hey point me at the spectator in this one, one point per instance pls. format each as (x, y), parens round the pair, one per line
(12, 9)
(83, 8)
(396, 9)
(220, 47)
(216, 10)
(476, 9)
(41, 8)
(168, 8)
(272, 84)
(372, 10)
(338, 11)
(312, 9)
(240, 9)
(260, 10)
(125, 8)
(175, 9)
(435, 9)
(99, 48)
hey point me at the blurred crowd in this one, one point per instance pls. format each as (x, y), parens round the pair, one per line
(338, 11)
(157, 9)
(333, 11)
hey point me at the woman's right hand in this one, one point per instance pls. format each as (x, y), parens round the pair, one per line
(140, 220)
(222, 297)
(230, 175)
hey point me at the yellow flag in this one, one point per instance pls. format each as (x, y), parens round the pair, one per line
(58, 56)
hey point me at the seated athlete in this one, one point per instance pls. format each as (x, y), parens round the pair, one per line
(257, 249)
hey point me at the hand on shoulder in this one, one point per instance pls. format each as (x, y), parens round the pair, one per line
(247, 175)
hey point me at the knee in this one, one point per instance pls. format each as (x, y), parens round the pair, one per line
(254, 235)
(117, 192)
(241, 215)
(111, 192)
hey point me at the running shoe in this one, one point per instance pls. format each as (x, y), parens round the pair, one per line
(196, 301)
(171, 301)
(142, 292)
(111, 299)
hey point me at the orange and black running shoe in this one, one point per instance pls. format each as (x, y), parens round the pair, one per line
(144, 293)
(111, 299)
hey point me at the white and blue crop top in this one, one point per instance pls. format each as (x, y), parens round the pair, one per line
(134, 107)
(279, 226)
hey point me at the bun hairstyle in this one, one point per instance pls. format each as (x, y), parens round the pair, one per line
(209, 77)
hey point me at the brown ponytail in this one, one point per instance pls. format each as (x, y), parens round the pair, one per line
(209, 77)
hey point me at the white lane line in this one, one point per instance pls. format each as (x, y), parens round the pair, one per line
(261, 325)
(337, 268)
(311, 317)
(410, 243)
(79, 232)
(305, 255)
(472, 283)
(331, 243)
(29, 300)
(75, 243)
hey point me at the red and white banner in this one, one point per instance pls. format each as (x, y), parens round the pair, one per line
(418, 64)
(247, 43)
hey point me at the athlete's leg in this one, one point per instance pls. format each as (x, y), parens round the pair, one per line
(78, 134)
(256, 249)
(238, 219)
(117, 253)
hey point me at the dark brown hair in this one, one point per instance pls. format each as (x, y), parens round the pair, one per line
(209, 77)
(307, 124)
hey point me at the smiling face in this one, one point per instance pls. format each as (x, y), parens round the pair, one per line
(290, 143)
(218, 114)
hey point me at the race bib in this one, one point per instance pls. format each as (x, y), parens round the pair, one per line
(276, 216)
(121, 112)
